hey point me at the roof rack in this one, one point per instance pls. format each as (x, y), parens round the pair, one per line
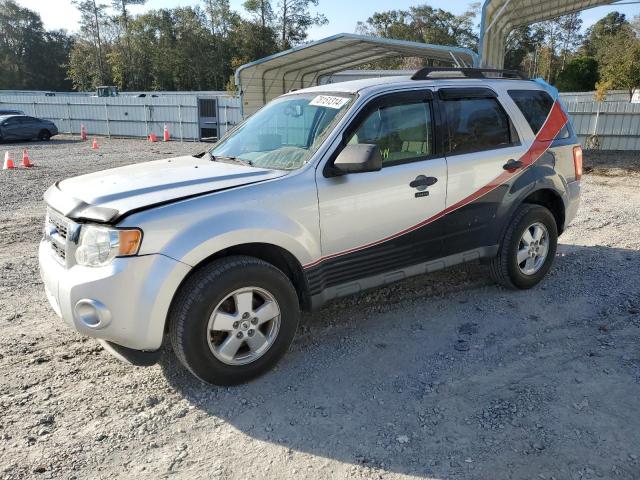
(453, 72)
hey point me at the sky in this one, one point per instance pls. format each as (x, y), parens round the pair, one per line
(343, 15)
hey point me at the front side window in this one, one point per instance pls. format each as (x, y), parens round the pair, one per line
(476, 124)
(403, 132)
(285, 133)
(535, 105)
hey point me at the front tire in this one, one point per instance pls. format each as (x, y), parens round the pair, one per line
(233, 319)
(528, 248)
(44, 135)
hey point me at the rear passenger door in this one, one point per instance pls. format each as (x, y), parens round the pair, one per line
(479, 140)
(29, 127)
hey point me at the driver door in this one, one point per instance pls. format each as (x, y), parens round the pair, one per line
(381, 223)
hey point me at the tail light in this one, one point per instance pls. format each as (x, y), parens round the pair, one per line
(577, 162)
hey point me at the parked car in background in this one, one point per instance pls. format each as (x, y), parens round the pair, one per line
(23, 127)
(4, 111)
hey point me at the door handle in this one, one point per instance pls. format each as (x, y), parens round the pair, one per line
(512, 165)
(421, 182)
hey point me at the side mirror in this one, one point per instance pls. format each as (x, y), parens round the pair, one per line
(358, 158)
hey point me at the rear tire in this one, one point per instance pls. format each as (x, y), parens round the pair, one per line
(44, 135)
(520, 263)
(206, 320)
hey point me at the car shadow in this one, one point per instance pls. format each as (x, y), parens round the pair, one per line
(447, 376)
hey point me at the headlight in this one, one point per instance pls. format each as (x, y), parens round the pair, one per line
(98, 246)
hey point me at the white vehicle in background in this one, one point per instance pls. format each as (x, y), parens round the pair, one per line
(325, 192)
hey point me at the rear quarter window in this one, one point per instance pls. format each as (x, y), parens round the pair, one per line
(535, 105)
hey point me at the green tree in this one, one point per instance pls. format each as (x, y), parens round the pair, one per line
(520, 43)
(620, 61)
(125, 56)
(580, 75)
(82, 66)
(426, 24)
(263, 17)
(223, 21)
(30, 57)
(570, 37)
(421, 23)
(600, 33)
(247, 49)
(93, 19)
(293, 20)
(543, 49)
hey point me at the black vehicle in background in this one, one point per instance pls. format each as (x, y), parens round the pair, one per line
(23, 127)
(5, 111)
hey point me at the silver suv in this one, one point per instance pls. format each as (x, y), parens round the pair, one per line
(325, 192)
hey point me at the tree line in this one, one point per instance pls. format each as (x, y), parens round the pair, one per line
(181, 48)
(605, 57)
(199, 47)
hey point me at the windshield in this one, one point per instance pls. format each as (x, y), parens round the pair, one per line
(285, 133)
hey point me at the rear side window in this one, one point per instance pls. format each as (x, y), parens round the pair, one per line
(403, 132)
(535, 105)
(477, 124)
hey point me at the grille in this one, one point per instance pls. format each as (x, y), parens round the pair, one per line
(59, 250)
(59, 225)
(56, 232)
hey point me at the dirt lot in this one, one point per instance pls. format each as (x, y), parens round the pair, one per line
(442, 377)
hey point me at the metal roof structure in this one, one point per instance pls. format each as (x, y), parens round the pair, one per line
(301, 67)
(500, 17)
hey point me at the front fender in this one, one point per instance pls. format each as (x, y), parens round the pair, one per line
(205, 238)
(283, 213)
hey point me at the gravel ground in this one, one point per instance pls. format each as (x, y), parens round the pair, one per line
(445, 376)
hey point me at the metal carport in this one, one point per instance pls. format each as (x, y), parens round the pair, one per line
(500, 17)
(269, 77)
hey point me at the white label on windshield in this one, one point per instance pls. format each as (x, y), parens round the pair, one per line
(329, 101)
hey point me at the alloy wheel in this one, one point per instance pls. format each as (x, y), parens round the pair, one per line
(243, 326)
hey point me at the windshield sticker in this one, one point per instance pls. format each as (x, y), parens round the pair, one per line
(329, 101)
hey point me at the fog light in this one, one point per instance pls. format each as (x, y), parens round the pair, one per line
(92, 313)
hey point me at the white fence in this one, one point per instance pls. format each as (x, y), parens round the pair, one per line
(128, 116)
(610, 125)
(606, 125)
(612, 96)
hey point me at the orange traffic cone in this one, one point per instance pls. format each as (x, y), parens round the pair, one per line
(8, 161)
(26, 162)
(83, 132)
(152, 137)
(94, 145)
(165, 134)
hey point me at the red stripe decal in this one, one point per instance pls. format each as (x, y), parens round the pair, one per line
(555, 122)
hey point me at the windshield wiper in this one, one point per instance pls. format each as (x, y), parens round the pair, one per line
(221, 158)
(206, 153)
(232, 159)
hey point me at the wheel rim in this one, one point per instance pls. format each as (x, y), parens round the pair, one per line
(243, 326)
(533, 248)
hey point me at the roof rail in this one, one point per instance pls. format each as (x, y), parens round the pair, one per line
(453, 72)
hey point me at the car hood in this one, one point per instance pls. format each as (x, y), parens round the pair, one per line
(108, 195)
